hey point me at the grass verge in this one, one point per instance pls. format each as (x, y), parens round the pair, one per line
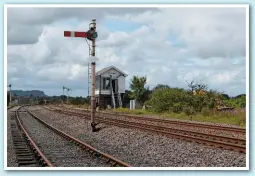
(236, 117)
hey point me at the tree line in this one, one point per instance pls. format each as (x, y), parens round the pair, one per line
(196, 98)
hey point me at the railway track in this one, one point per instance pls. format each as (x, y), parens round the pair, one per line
(208, 139)
(62, 150)
(166, 121)
(28, 153)
(230, 129)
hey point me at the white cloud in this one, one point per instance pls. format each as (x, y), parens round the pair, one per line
(169, 47)
(225, 77)
(207, 31)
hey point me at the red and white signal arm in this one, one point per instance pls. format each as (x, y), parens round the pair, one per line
(75, 34)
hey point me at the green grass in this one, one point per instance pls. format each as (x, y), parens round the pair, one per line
(135, 111)
(237, 118)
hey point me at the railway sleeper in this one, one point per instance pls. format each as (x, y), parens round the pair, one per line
(24, 154)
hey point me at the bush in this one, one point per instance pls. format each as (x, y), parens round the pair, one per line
(163, 100)
(177, 108)
(205, 111)
(236, 102)
(41, 102)
(188, 111)
(175, 99)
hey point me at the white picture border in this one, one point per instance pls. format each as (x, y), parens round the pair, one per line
(246, 6)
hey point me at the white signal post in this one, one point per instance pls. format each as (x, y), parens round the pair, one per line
(91, 34)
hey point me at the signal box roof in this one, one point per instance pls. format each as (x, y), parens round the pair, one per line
(109, 68)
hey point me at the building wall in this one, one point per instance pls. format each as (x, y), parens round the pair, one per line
(121, 84)
(97, 83)
(115, 74)
(112, 72)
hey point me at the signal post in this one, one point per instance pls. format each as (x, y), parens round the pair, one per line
(91, 35)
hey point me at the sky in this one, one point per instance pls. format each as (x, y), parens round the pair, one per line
(170, 46)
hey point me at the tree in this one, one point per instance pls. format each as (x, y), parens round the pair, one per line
(138, 89)
(126, 98)
(225, 96)
(161, 86)
(197, 88)
(241, 95)
(237, 102)
(200, 87)
(77, 100)
(192, 85)
(41, 101)
(241, 101)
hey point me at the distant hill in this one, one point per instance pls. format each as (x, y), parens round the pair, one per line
(34, 93)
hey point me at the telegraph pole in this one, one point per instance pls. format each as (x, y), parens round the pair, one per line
(93, 67)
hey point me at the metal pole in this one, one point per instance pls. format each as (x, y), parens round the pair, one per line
(89, 70)
(93, 67)
(10, 95)
(88, 76)
(63, 95)
(67, 95)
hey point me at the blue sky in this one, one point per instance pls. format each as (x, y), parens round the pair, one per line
(120, 25)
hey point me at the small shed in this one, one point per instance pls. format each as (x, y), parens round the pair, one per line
(110, 87)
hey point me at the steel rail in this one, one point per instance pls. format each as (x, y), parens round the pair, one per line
(220, 144)
(167, 131)
(223, 128)
(33, 145)
(205, 135)
(186, 132)
(192, 124)
(109, 158)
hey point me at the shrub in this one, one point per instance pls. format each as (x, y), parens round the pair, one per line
(177, 108)
(162, 100)
(188, 110)
(41, 102)
(205, 111)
